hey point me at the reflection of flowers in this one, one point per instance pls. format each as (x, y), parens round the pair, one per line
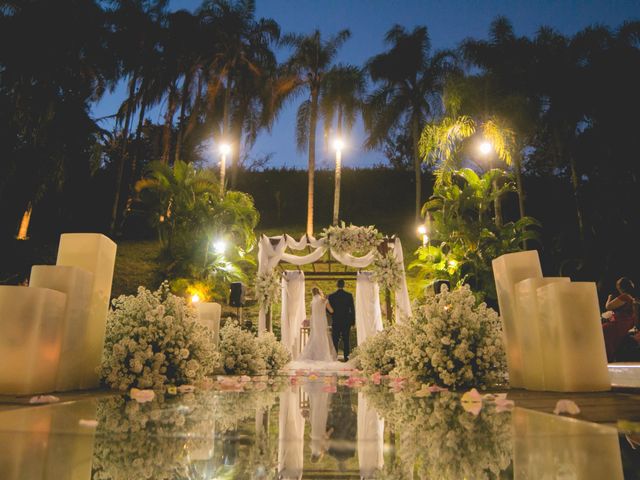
(152, 339)
(267, 287)
(444, 440)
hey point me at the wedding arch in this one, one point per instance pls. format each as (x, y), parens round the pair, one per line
(350, 246)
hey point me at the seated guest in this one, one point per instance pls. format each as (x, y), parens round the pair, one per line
(624, 317)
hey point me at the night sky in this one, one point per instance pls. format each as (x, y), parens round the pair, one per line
(448, 22)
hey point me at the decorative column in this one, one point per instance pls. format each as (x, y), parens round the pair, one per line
(31, 321)
(532, 341)
(573, 341)
(97, 254)
(76, 284)
(209, 315)
(508, 270)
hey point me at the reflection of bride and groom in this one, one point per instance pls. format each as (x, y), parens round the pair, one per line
(334, 429)
(320, 350)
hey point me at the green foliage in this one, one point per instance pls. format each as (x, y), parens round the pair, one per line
(186, 208)
(464, 236)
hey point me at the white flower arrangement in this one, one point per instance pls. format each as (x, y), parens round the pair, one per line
(450, 342)
(352, 239)
(268, 287)
(387, 272)
(274, 354)
(152, 340)
(239, 351)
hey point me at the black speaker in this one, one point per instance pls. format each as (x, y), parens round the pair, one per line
(236, 297)
(437, 285)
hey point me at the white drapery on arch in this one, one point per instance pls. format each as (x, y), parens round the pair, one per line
(272, 250)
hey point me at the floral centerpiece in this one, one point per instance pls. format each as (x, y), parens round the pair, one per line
(352, 239)
(152, 340)
(450, 341)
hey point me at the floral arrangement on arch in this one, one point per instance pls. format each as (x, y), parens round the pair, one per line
(352, 239)
(153, 339)
(387, 271)
(268, 287)
(450, 341)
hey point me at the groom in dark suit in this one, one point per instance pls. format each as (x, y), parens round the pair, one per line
(344, 317)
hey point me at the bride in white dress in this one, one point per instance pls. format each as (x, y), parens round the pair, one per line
(319, 348)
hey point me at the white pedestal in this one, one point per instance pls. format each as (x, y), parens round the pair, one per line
(31, 321)
(529, 322)
(209, 315)
(550, 446)
(508, 270)
(573, 341)
(97, 254)
(76, 284)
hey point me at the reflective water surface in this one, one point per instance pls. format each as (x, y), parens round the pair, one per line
(316, 428)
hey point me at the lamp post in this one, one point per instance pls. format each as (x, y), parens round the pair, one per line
(486, 149)
(338, 144)
(225, 149)
(422, 231)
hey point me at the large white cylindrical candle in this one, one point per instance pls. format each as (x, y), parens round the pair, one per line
(31, 323)
(209, 315)
(573, 341)
(532, 340)
(508, 270)
(97, 254)
(76, 284)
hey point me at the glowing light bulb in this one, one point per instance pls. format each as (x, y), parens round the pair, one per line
(225, 148)
(338, 144)
(485, 148)
(219, 246)
(195, 298)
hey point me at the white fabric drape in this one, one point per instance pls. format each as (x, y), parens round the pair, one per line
(370, 439)
(293, 310)
(304, 259)
(403, 304)
(368, 312)
(290, 436)
(355, 262)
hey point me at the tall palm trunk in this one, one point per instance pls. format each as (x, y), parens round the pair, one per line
(183, 108)
(575, 185)
(168, 124)
(336, 190)
(415, 136)
(313, 120)
(497, 205)
(123, 153)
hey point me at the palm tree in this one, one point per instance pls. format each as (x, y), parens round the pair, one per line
(441, 144)
(410, 82)
(243, 52)
(341, 97)
(307, 68)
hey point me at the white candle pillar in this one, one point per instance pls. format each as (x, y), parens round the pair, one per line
(532, 341)
(551, 446)
(508, 270)
(573, 341)
(31, 321)
(209, 315)
(97, 254)
(76, 284)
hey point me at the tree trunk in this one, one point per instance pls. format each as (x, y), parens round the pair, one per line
(497, 206)
(575, 185)
(236, 135)
(183, 107)
(168, 125)
(123, 153)
(338, 174)
(521, 195)
(23, 229)
(313, 120)
(415, 134)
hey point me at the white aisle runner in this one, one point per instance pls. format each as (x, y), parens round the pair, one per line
(293, 310)
(368, 312)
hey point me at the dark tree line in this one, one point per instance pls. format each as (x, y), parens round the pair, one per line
(571, 101)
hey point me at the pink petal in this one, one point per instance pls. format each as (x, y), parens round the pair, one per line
(330, 389)
(88, 423)
(44, 399)
(186, 389)
(566, 406)
(472, 407)
(436, 389)
(142, 396)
